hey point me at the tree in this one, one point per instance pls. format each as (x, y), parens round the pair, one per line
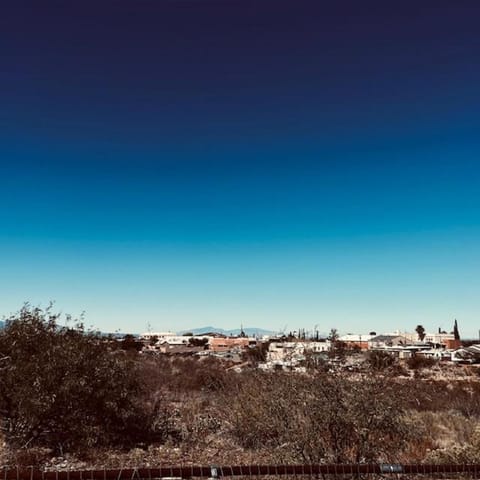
(130, 343)
(380, 360)
(337, 347)
(257, 353)
(333, 335)
(198, 342)
(456, 333)
(420, 332)
(65, 388)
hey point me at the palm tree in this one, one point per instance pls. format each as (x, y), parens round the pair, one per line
(420, 332)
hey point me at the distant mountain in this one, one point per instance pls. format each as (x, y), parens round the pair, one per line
(2, 323)
(250, 331)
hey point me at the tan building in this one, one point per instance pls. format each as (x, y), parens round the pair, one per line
(226, 344)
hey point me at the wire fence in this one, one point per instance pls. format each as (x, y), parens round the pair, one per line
(217, 472)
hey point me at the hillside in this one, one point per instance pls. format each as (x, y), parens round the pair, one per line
(250, 331)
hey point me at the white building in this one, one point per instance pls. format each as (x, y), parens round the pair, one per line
(438, 337)
(156, 335)
(288, 350)
(467, 354)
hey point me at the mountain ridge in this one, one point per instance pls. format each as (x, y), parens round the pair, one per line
(250, 331)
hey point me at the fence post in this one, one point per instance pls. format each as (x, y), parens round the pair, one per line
(214, 474)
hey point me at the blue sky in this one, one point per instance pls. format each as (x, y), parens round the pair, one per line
(182, 163)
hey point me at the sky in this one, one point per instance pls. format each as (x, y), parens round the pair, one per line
(169, 164)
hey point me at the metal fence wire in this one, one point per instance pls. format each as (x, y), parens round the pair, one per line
(217, 472)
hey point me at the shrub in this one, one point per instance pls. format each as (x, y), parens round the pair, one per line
(380, 360)
(319, 418)
(63, 388)
(256, 354)
(418, 362)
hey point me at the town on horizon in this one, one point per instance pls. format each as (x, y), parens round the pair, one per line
(290, 350)
(315, 332)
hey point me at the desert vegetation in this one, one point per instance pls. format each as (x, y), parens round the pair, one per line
(75, 398)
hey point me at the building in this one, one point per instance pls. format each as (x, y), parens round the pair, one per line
(225, 344)
(380, 342)
(280, 351)
(439, 338)
(355, 341)
(467, 354)
(148, 336)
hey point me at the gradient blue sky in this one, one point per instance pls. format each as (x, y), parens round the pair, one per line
(180, 163)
